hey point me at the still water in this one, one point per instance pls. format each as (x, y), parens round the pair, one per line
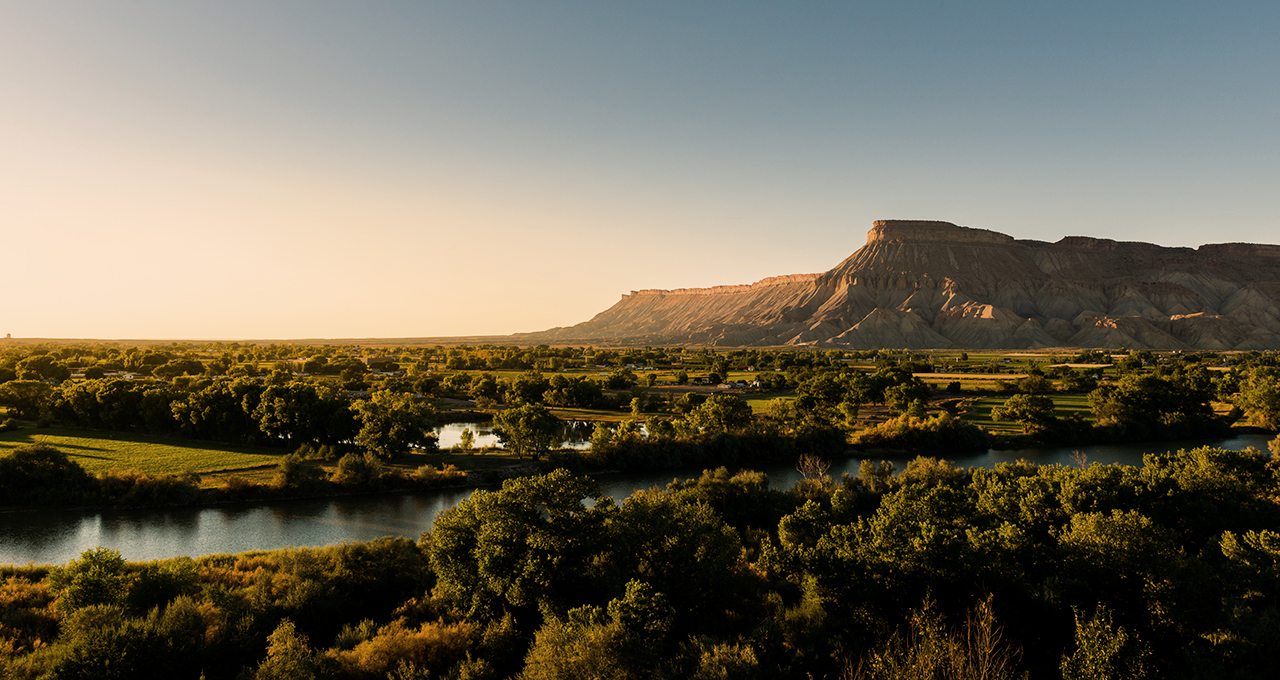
(53, 537)
(576, 435)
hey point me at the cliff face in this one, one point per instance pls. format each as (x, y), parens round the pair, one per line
(923, 284)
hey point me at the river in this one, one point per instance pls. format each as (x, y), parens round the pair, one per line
(43, 537)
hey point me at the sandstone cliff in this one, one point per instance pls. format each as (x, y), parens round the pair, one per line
(924, 284)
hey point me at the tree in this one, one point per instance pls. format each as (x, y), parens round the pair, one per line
(289, 656)
(27, 398)
(530, 543)
(1104, 651)
(298, 412)
(177, 367)
(623, 640)
(1259, 396)
(528, 388)
(392, 423)
(357, 470)
(720, 413)
(484, 389)
(1144, 403)
(466, 440)
(39, 474)
(1035, 412)
(42, 367)
(907, 398)
(97, 577)
(527, 430)
(295, 472)
(620, 379)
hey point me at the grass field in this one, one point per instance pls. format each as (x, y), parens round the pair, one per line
(102, 451)
(591, 414)
(762, 403)
(978, 411)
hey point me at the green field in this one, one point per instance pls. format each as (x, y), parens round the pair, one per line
(101, 451)
(761, 404)
(978, 411)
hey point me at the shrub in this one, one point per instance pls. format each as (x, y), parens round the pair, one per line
(445, 473)
(942, 433)
(294, 472)
(42, 474)
(432, 645)
(356, 469)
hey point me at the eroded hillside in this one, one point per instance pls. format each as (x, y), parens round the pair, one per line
(923, 284)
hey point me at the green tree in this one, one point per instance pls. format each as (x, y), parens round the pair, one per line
(357, 470)
(528, 388)
(97, 577)
(527, 430)
(1145, 403)
(1035, 412)
(1259, 396)
(392, 423)
(1104, 651)
(42, 367)
(907, 398)
(530, 543)
(624, 640)
(289, 656)
(304, 412)
(36, 473)
(720, 413)
(27, 398)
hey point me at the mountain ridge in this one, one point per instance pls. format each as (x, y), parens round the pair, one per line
(934, 284)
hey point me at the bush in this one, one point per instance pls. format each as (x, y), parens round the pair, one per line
(356, 469)
(942, 433)
(445, 473)
(41, 474)
(294, 472)
(132, 487)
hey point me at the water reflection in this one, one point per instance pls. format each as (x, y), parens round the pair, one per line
(53, 537)
(576, 435)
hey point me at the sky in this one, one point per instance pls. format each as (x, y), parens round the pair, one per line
(237, 169)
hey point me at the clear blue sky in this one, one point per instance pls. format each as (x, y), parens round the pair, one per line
(291, 169)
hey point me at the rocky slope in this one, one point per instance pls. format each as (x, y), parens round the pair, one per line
(930, 284)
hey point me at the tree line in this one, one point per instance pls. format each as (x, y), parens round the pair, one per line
(1169, 569)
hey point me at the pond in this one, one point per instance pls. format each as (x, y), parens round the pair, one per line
(43, 537)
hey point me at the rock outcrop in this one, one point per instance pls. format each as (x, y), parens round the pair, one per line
(927, 284)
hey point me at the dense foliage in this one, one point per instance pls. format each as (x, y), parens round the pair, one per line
(645, 408)
(1171, 569)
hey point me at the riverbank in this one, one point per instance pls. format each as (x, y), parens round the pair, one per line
(49, 535)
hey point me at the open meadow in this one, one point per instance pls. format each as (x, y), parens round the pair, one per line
(106, 451)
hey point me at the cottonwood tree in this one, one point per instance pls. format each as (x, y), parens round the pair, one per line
(392, 423)
(527, 430)
(1035, 412)
(1259, 396)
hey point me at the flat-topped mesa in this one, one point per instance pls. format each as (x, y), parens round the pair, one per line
(1239, 249)
(720, 290)
(1093, 243)
(931, 231)
(930, 284)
